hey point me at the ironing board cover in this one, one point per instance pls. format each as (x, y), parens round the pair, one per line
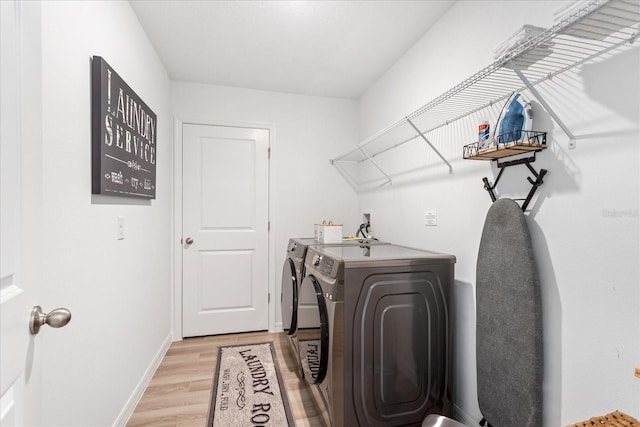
(509, 321)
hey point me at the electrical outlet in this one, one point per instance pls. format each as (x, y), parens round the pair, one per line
(120, 228)
(431, 218)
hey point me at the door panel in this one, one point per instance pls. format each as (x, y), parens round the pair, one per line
(402, 348)
(225, 212)
(11, 286)
(235, 171)
(236, 267)
(20, 115)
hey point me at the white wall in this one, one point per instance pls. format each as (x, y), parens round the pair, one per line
(308, 130)
(584, 220)
(119, 292)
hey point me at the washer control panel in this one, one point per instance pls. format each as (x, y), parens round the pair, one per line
(323, 264)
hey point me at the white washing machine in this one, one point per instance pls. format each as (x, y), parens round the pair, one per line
(298, 309)
(380, 351)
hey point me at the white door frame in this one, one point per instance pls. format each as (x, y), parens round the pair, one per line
(177, 222)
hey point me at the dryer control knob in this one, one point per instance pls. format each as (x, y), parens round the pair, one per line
(316, 260)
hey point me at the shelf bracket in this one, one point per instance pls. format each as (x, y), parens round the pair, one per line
(429, 143)
(376, 165)
(539, 176)
(541, 100)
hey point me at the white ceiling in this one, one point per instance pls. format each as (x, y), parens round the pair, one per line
(325, 48)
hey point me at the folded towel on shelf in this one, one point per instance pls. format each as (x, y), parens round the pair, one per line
(520, 37)
(524, 34)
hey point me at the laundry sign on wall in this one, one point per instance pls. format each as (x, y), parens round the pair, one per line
(123, 137)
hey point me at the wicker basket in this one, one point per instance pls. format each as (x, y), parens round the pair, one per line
(614, 419)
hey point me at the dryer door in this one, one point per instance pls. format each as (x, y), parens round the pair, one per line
(313, 338)
(289, 296)
(401, 347)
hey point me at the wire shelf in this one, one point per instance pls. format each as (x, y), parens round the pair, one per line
(592, 33)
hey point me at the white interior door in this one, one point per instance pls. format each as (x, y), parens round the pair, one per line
(19, 370)
(225, 229)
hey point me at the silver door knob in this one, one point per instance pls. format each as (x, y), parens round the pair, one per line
(56, 318)
(188, 240)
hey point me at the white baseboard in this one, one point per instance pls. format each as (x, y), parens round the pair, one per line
(278, 327)
(463, 417)
(135, 397)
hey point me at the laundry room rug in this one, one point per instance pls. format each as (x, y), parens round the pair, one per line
(310, 357)
(248, 388)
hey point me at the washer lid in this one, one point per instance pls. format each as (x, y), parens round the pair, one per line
(310, 241)
(383, 255)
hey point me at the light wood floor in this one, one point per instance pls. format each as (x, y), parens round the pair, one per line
(179, 393)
